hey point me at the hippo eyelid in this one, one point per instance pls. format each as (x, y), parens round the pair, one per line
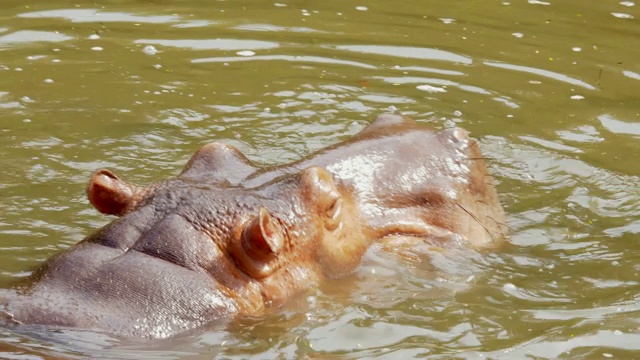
(334, 210)
(333, 214)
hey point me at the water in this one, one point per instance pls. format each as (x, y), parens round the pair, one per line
(551, 90)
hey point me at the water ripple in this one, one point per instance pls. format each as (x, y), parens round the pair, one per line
(618, 126)
(96, 16)
(212, 44)
(541, 72)
(30, 36)
(291, 58)
(408, 52)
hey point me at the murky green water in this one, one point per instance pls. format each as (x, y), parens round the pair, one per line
(550, 88)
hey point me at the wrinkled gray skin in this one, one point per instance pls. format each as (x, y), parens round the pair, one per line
(226, 237)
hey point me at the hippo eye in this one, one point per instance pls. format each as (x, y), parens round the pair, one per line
(333, 214)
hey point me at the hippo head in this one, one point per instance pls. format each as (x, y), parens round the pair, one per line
(258, 244)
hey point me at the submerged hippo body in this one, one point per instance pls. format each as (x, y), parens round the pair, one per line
(226, 237)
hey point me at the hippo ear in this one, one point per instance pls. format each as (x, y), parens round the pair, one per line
(320, 192)
(263, 237)
(218, 162)
(110, 195)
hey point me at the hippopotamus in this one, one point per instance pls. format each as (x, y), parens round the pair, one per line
(226, 237)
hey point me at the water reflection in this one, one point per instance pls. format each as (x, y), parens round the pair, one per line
(97, 16)
(309, 59)
(543, 73)
(270, 27)
(408, 52)
(618, 126)
(631, 74)
(212, 44)
(30, 36)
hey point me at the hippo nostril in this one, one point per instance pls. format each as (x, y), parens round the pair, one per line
(262, 238)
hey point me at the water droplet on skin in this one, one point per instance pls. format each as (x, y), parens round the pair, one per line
(459, 135)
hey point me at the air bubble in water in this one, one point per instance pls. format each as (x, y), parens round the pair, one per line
(150, 50)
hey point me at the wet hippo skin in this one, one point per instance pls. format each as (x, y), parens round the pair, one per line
(226, 237)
